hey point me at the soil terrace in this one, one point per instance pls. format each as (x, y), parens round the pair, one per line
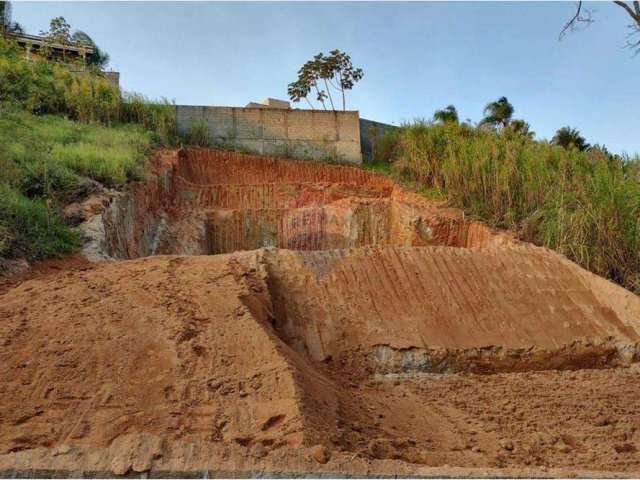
(299, 318)
(209, 202)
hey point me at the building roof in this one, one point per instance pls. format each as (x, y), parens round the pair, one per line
(43, 41)
(269, 103)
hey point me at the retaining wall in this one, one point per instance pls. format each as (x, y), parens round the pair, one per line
(308, 134)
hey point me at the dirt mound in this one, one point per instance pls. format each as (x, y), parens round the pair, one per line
(368, 359)
(208, 351)
(443, 309)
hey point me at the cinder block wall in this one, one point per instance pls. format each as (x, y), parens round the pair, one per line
(310, 134)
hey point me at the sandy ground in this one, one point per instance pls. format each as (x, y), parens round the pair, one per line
(392, 337)
(180, 357)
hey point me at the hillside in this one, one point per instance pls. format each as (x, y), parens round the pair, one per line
(378, 333)
(193, 311)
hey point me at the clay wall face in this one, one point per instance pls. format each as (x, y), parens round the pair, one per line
(211, 202)
(306, 134)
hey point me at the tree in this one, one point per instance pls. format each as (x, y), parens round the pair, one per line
(333, 70)
(59, 32)
(5, 15)
(498, 113)
(567, 137)
(98, 58)
(601, 151)
(521, 127)
(446, 115)
(584, 16)
(301, 88)
(6, 23)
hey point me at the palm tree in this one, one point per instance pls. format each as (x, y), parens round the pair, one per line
(566, 137)
(447, 115)
(498, 113)
(522, 127)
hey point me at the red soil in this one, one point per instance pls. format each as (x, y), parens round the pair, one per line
(453, 351)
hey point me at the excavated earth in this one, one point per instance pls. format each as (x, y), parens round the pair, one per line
(261, 316)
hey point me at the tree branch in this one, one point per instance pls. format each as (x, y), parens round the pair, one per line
(310, 104)
(319, 96)
(344, 103)
(329, 93)
(635, 15)
(577, 17)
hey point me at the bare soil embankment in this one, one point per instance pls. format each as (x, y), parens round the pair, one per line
(355, 329)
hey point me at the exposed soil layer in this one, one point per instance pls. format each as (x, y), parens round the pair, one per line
(210, 202)
(425, 345)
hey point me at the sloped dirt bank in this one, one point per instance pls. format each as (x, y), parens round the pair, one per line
(390, 336)
(443, 309)
(189, 359)
(210, 202)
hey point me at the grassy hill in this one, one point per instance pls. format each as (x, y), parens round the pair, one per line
(43, 161)
(57, 128)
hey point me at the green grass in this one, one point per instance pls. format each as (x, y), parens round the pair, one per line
(29, 229)
(34, 147)
(41, 87)
(379, 167)
(157, 116)
(56, 127)
(42, 161)
(197, 133)
(585, 205)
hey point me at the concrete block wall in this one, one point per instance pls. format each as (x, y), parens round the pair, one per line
(307, 134)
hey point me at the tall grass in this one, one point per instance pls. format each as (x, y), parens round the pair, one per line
(34, 146)
(40, 86)
(29, 229)
(42, 161)
(197, 133)
(44, 87)
(585, 205)
(159, 117)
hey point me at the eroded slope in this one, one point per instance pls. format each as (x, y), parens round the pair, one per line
(446, 309)
(192, 363)
(211, 202)
(353, 347)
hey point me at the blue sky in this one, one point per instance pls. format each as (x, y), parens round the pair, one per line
(417, 57)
